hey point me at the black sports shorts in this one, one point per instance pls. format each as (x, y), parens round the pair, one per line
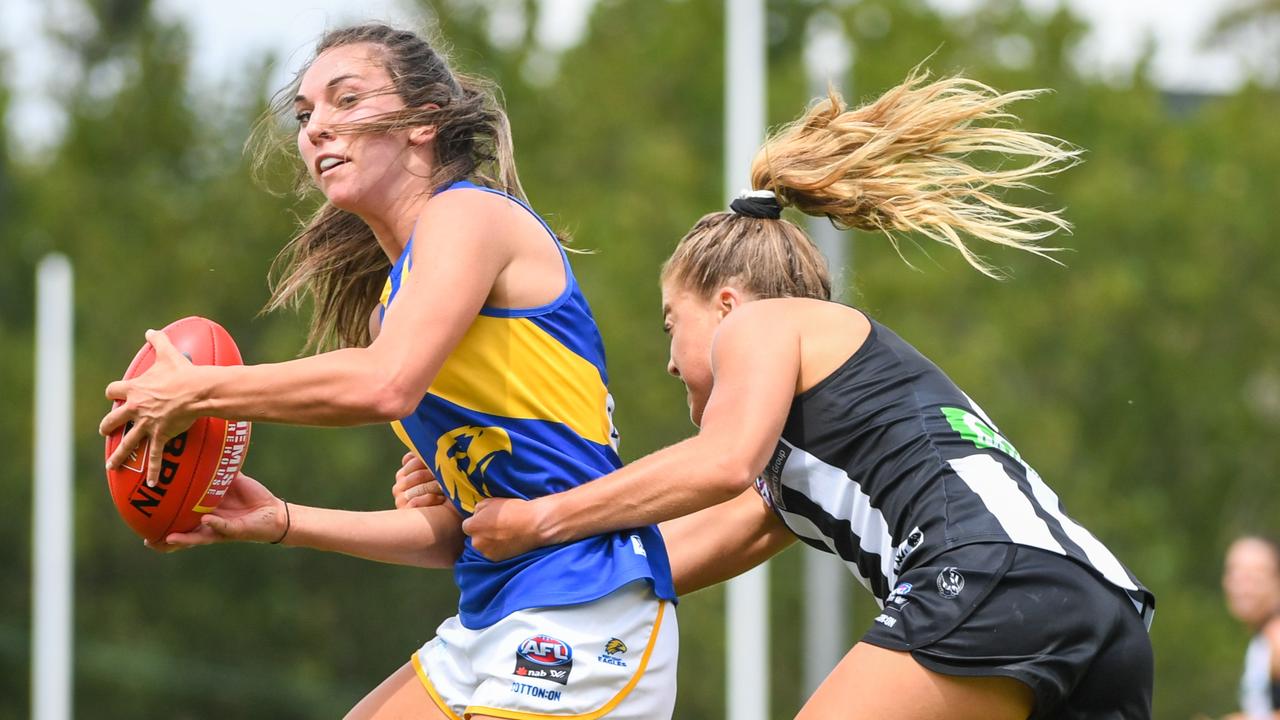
(995, 609)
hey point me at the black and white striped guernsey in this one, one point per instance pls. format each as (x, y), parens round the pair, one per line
(886, 463)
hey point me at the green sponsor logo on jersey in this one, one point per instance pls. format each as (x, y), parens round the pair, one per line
(977, 431)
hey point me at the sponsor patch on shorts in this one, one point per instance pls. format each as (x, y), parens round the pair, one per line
(545, 658)
(520, 688)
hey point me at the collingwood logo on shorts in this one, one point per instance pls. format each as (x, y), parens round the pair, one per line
(769, 484)
(950, 582)
(544, 657)
(612, 648)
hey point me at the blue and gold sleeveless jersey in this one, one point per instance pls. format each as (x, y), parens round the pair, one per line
(521, 409)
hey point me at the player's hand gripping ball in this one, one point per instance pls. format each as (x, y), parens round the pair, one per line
(197, 466)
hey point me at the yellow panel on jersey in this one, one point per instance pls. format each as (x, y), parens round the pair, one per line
(527, 374)
(520, 409)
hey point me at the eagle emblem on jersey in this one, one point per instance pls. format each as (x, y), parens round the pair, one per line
(615, 646)
(464, 455)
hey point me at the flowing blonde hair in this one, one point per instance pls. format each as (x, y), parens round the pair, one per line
(335, 258)
(906, 162)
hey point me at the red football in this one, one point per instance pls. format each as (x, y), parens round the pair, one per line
(198, 465)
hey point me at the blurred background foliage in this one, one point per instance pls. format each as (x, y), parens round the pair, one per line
(1141, 377)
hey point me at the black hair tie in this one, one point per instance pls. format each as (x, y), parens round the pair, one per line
(761, 204)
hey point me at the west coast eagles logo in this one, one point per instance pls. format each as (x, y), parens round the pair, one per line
(464, 455)
(612, 650)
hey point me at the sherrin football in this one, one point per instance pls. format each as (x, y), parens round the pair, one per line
(199, 465)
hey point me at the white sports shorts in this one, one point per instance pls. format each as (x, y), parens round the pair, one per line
(614, 657)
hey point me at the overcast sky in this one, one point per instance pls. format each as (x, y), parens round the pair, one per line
(225, 38)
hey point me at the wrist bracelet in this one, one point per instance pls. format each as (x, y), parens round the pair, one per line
(288, 522)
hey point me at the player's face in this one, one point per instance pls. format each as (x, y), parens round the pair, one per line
(1251, 581)
(356, 171)
(691, 322)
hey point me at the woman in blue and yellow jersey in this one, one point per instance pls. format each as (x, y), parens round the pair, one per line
(460, 322)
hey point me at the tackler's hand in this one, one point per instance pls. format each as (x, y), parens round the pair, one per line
(157, 404)
(502, 528)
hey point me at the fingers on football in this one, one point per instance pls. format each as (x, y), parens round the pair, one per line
(163, 346)
(118, 390)
(128, 444)
(155, 456)
(115, 418)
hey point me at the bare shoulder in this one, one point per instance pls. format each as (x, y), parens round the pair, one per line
(474, 197)
(799, 316)
(467, 221)
(753, 321)
(471, 207)
(830, 333)
(825, 334)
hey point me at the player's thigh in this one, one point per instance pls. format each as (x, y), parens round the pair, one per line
(400, 697)
(872, 683)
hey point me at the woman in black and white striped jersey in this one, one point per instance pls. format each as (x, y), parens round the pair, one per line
(996, 604)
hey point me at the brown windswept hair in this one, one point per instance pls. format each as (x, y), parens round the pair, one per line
(335, 258)
(906, 162)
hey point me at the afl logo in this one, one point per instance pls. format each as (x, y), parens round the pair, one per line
(546, 650)
(544, 657)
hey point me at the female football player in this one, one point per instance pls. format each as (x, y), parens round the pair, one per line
(487, 363)
(817, 422)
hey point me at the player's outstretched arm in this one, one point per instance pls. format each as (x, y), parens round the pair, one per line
(428, 537)
(756, 363)
(722, 542)
(423, 537)
(454, 269)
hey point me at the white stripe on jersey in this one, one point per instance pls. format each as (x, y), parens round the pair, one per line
(804, 527)
(1006, 501)
(978, 410)
(1099, 556)
(831, 489)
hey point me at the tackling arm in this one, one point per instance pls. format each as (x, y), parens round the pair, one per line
(756, 359)
(722, 542)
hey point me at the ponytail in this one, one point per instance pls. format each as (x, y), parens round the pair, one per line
(907, 162)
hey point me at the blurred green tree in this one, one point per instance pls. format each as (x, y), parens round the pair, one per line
(1140, 379)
